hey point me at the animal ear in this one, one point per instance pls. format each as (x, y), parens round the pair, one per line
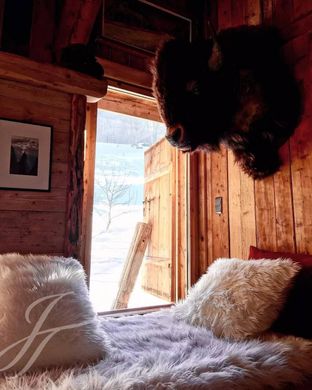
(215, 60)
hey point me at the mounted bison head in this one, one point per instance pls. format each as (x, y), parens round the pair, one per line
(234, 90)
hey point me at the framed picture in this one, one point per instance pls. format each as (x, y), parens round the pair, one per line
(25, 156)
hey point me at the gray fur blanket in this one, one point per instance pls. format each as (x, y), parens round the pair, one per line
(155, 351)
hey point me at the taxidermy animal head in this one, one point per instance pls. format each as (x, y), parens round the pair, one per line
(233, 89)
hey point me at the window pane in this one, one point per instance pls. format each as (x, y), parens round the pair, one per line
(124, 145)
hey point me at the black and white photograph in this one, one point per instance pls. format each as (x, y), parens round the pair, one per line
(25, 155)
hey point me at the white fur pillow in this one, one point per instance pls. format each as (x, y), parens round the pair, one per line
(46, 317)
(238, 298)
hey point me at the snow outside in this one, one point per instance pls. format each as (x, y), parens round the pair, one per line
(118, 203)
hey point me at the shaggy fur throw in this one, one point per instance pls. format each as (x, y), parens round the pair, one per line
(238, 298)
(156, 351)
(234, 89)
(31, 286)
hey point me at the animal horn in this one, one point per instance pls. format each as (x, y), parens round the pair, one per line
(215, 60)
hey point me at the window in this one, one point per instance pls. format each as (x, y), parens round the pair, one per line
(138, 178)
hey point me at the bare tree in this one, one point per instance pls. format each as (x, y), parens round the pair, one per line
(114, 191)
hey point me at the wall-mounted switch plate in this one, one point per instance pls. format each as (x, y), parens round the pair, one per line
(218, 205)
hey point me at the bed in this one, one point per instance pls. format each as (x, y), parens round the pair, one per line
(156, 351)
(173, 349)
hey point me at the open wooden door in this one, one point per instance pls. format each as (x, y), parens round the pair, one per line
(158, 276)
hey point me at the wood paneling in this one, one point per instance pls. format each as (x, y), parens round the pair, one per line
(34, 221)
(274, 213)
(38, 232)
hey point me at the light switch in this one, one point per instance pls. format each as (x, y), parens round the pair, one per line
(218, 205)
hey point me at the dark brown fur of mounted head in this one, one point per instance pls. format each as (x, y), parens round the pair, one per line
(234, 89)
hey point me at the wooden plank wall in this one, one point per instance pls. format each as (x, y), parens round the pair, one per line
(36, 221)
(274, 213)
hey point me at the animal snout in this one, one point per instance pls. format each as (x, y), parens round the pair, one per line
(175, 135)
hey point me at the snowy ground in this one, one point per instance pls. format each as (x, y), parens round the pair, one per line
(109, 249)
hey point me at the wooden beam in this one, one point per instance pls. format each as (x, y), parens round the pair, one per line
(126, 87)
(88, 179)
(72, 242)
(126, 74)
(17, 68)
(42, 31)
(128, 104)
(132, 264)
(76, 23)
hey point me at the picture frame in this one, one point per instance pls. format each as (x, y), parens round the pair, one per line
(25, 155)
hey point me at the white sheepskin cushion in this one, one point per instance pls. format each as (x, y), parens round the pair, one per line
(238, 298)
(46, 318)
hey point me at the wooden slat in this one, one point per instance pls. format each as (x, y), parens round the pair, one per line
(55, 200)
(59, 175)
(235, 210)
(31, 232)
(60, 147)
(265, 214)
(42, 30)
(202, 214)
(132, 264)
(157, 286)
(301, 146)
(130, 105)
(248, 214)
(29, 112)
(210, 209)
(88, 180)
(193, 208)
(16, 68)
(43, 96)
(72, 243)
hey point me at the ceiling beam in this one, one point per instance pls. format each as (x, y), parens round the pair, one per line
(42, 31)
(76, 24)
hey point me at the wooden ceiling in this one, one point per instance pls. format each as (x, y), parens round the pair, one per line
(123, 33)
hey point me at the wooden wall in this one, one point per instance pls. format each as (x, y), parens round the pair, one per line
(33, 221)
(274, 213)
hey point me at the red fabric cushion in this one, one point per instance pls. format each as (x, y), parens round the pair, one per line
(303, 259)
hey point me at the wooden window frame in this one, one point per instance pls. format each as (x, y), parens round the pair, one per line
(131, 104)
